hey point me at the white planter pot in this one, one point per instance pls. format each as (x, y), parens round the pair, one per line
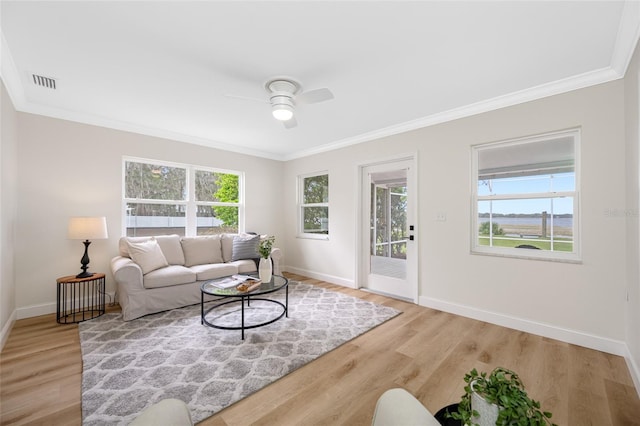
(265, 269)
(488, 412)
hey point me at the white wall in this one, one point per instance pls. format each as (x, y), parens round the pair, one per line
(632, 213)
(70, 169)
(580, 302)
(8, 212)
(66, 169)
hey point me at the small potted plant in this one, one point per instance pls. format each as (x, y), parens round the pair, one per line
(498, 399)
(265, 268)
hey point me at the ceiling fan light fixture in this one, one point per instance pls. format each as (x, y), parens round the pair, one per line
(282, 112)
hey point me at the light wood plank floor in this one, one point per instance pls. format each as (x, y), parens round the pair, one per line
(424, 351)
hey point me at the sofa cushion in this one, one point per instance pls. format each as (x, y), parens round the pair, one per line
(171, 248)
(213, 270)
(169, 244)
(147, 255)
(123, 244)
(226, 241)
(169, 276)
(245, 247)
(201, 250)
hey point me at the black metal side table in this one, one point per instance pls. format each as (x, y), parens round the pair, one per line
(80, 299)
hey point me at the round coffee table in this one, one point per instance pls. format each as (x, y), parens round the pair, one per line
(227, 296)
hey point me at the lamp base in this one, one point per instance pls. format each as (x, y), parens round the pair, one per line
(85, 274)
(85, 261)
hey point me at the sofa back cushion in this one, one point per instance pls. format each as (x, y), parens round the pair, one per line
(171, 248)
(245, 246)
(226, 241)
(169, 244)
(201, 250)
(147, 255)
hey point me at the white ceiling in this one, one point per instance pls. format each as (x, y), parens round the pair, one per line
(165, 68)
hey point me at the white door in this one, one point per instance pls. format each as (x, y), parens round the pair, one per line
(388, 261)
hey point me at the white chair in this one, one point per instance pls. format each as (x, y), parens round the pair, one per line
(397, 407)
(168, 412)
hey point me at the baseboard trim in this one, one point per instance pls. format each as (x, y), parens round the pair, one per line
(633, 370)
(603, 344)
(48, 308)
(323, 277)
(36, 310)
(4, 335)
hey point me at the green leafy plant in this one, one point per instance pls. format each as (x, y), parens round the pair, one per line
(504, 388)
(485, 228)
(266, 245)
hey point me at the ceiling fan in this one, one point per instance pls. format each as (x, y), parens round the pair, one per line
(285, 94)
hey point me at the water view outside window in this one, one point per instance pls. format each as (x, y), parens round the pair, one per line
(526, 196)
(162, 198)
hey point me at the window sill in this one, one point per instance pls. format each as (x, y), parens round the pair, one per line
(313, 237)
(546, 256)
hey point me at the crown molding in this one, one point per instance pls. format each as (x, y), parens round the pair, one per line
(10, 76)
(542, 91)
(627, 38)
(626, 41)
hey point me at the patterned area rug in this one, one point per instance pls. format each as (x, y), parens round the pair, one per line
(128, 366)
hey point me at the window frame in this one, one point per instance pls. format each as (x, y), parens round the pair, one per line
(560, 256)
(190, 203)
(302, 206)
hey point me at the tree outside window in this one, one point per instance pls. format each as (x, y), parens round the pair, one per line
(163, 198)
(314, 207)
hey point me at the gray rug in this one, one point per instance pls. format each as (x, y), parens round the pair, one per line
(127, 366)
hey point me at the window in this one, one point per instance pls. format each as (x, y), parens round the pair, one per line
(389, 219)
(314, 205)
(525, 195)
(169, 198)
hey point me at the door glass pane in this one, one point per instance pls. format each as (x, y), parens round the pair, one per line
(381, 234)
(398, 219)
(388, 224)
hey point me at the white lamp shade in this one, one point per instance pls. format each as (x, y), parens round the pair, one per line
(88, 228)
(282, 112)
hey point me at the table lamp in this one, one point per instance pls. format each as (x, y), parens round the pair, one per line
(86, 228)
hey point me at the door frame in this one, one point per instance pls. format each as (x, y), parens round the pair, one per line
(413, 273)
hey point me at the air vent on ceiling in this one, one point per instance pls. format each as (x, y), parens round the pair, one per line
(42, 81)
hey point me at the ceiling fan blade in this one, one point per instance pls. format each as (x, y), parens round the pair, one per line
(290, 123)
(314, 96)
(246, 98)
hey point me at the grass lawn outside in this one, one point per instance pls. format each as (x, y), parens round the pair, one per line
(559, 244)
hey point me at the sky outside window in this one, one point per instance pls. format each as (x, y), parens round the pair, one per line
(528, 185)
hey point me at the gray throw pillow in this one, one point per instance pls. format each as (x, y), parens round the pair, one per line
(245, 247)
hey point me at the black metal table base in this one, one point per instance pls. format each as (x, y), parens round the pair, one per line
(80, 299)
(241, 300)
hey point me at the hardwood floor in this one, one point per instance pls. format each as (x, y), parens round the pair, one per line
(422, 350)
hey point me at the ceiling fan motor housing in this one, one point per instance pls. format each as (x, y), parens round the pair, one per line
(282, 91)
(281, 97)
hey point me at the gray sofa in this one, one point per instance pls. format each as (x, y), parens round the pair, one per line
(155, 274)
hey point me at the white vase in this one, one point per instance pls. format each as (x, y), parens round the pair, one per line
(265, 269)
(488, 412)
